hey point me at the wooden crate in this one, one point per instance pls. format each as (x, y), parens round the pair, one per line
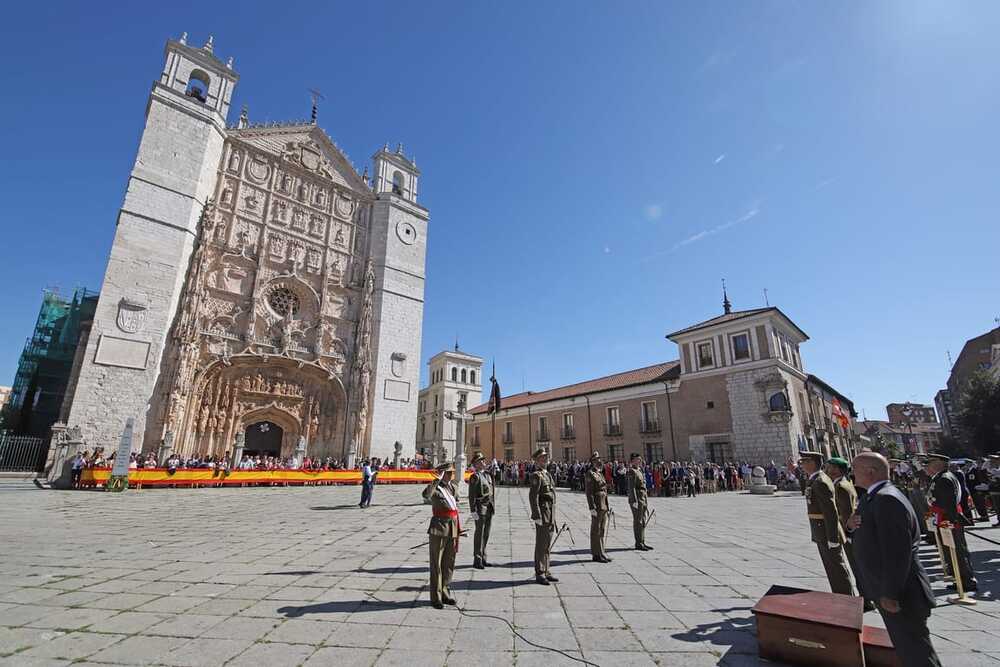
(879, 651)
(810, 628)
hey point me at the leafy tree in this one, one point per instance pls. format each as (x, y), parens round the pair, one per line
(979, 413)
(954, 448)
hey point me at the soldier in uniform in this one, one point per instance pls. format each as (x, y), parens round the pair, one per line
(846, 499)
(542, 498)
(444, 530)
(482, 506)
(945, 498)
(636, 483)
(824, 523)
(596, 488)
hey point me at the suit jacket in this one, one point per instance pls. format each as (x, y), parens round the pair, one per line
(846, 497)
(441, 526)
(946, 492)
(597, 490)
(636, 487)
(481, 493)
(885, 548)
(542, 497)
(824, 521)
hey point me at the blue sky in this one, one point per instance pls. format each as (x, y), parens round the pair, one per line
(592, 169)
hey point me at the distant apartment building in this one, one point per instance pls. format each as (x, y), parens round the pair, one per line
(918, 423)
(946, 412)
(981, 353)
(737, 392)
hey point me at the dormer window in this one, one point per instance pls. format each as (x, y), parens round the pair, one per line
(706, 356)
(197, 86)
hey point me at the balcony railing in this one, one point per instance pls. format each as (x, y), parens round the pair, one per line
(508, 439)
(649, 426)
(542, 436)
(568, 433)
(612, 430)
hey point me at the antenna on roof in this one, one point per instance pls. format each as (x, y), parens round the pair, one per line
(767, 304)
(316, 97)
(456, 342)
(950, 362)
(726, 306)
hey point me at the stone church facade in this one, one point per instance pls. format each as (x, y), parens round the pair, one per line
(258, 289)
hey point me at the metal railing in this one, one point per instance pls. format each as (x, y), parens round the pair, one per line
(612, 429)
(649, 426)
(568, 433)
(22, 453)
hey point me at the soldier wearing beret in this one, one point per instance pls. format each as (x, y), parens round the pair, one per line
(945, 500)
(824, 523)
(846, 499)
(542, 498)
(637, 500)
(596, 488)
(482, 506)
(444, 530)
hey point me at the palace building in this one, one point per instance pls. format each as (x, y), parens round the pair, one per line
(259, 289)
(737, 392)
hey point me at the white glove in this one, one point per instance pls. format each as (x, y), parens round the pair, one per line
(474, 517)
(538, 522)
(833, 545)
(593, 512)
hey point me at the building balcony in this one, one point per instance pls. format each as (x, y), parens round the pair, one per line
(649, 426)
(568, 433)
(542, 436)
(612, 430)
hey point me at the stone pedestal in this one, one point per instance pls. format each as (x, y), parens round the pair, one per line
(300, 452)
(66, 444)
(397, 451)
(758, 483)
(238, 451)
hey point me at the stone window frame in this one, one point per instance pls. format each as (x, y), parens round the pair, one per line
(567, 423)
(732, 347)
(618, 414)
(697, 354)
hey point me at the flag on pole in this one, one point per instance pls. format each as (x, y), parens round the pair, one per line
(840, 416)
(494, 405)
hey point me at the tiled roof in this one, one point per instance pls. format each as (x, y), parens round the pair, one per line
(656, 373)
(721, 319)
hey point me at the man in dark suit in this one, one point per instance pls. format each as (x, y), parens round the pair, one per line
(946, 504)
(886, 539)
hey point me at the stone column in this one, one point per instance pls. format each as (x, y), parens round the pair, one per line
(166, 448)
(397, 450)
(238, 450)
(459, 454)
(300, 451)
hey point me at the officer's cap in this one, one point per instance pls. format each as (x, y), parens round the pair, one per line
(840, 463)
(938, 457)
(595, 456)
(815, 456)
(445, 467)
(634, 456)
(539, 452)
(476, 458)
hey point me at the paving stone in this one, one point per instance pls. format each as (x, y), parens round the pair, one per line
(272, 655)
(138, 650)
(13, 640)
(203, 652)
(128, 622)
(73, 646)
(239, 627)
(343, 657)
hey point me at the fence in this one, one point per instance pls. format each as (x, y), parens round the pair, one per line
(22, 453)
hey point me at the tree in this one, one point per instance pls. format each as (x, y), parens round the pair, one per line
(979, 412)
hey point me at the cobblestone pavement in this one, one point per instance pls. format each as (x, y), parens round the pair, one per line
(289, 576)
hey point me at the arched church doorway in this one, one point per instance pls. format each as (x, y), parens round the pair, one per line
(263, 439)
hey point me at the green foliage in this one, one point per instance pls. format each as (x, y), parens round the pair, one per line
(979, 413)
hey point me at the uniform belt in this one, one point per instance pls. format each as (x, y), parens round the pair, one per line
(816, 516)
(446, 514)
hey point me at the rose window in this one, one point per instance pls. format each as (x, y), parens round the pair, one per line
(283, 301)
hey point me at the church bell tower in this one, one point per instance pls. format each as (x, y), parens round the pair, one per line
(172, 178)
(399, 249)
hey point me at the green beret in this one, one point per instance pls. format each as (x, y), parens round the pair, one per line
(842, 463)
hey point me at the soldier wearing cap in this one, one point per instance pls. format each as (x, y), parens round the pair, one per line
(636, 483)
(824, 523)
(945, 500)
(596, 488)
(542, 498)
(444, 530)
(482, 506)
(846, 499)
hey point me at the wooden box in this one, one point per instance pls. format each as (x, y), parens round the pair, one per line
(802, 627)
(879, 651)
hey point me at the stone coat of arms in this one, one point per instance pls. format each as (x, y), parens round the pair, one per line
(131, 316)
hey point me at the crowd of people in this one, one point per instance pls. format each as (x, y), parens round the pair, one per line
(663, 478)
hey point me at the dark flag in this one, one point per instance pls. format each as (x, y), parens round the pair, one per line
(494, 393)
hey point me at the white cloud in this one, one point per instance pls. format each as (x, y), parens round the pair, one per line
(705, 233)
(653, 211)
(720, 158)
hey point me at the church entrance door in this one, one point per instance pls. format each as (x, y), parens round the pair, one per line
(263, 439)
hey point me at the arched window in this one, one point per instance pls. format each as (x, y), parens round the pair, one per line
(454, 375)
(465, 376)
(778, 402)
(472, 377)
(301, 192)
(397, 182)
(197, 87)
